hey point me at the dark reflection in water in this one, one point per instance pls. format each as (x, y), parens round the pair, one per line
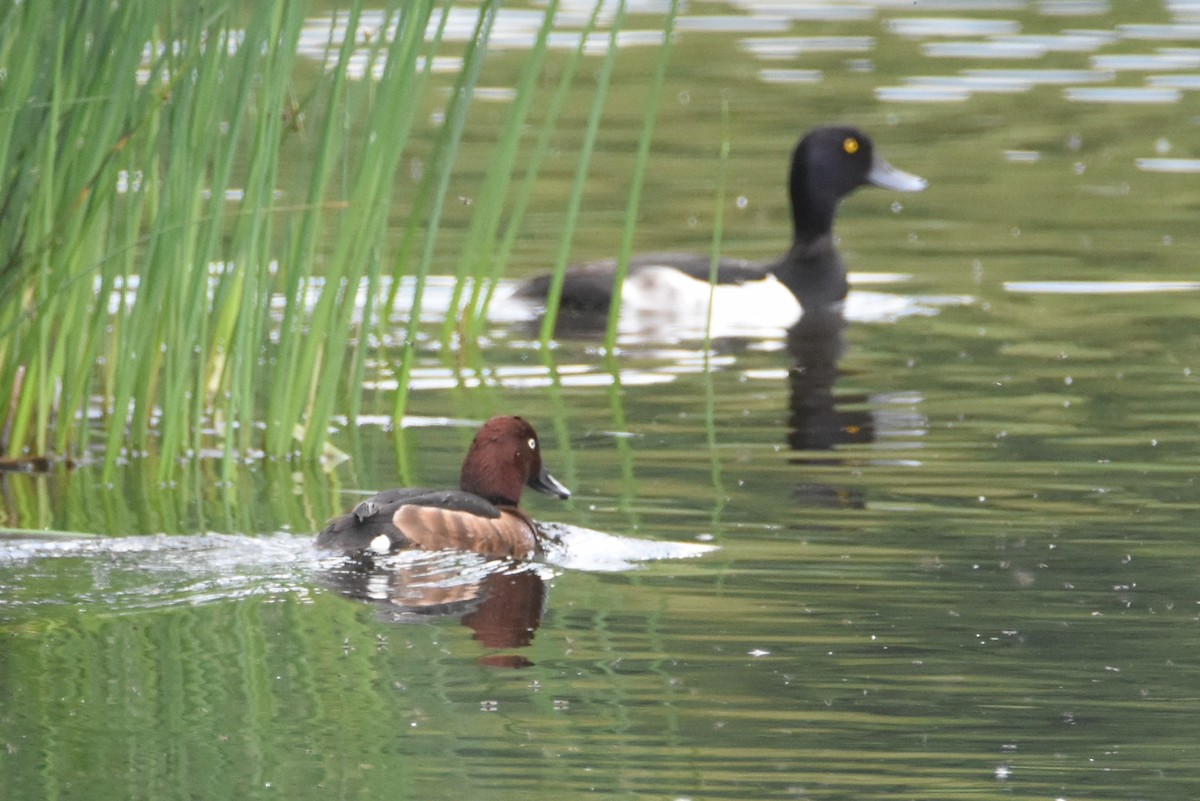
(815, 423)
(502, 607)
(818, 419)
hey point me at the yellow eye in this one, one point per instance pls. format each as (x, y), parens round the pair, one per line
(850, 145)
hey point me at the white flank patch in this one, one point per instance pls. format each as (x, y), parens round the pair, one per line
(665, 296)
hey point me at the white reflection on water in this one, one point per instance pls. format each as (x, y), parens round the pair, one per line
(790, 76)
(969, 83)
(960, 6)
(1044, 76)
(1099, 287)
(1068, 42)
(960, 87)
(1022, 156)
(808, 10)
(989, 49)
(1191, 81)
(922, 94)
(917, 27)
(1073, 8)
(1169, 165)
(1121, 94)
(516, 29)
(495, 94)
(435, 379)
(790, 47)
(1166, 59)
(597, 43)
(1179, 31)
(731, 24)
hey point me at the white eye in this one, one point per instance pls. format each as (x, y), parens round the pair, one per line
(532, 444)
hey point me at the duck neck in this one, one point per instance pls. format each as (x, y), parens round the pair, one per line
(812, 268)
(812, 216)
(491, 485)
(813, 271)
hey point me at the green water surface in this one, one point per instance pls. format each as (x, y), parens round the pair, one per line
(964, 565)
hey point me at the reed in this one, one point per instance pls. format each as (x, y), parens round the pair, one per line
(710, 400)
(360, 243)
(474, 262)
(197, 231)
(575, 199)
(534, 162)
(638, 179)
(435, 188)
(156, 283)
(714, 253)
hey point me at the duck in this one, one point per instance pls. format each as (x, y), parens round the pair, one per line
(827, 164)
(483, 515)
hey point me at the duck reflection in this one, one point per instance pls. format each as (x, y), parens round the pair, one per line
(818, 420)
(501, 603)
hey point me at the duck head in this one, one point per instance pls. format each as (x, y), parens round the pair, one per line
(830, 163)
(504, 458)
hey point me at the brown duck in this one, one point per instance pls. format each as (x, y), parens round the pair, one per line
(482, 515)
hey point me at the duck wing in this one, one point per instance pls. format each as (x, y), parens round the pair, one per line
(588, 287)
(360, 529)
(509, 533)
(387, 502)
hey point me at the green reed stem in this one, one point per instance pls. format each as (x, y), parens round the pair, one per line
(534, 164)
(710, 425)
(575, 201)
(375, 265)
(285, 407)
(445, 149)
(639, 177)
(714, 257)
(387, 130)
(207, 303)
(625, 454)
(489, 206)
(424, 189)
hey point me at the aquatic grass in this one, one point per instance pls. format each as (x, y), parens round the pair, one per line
(623, 445)
(244, 288)
(167, 206)
(436, 186)
(474, 262)
(638, 178)
(710, 402)
(357, 252)
(301, 355)
(59, 199)
(533, 165)
(575, 198)
(197, 251)
(714, 256)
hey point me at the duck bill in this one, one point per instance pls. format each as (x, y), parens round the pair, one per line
(542, 481)
(886, 176)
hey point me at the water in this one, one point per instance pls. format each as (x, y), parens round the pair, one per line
(955, 554)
